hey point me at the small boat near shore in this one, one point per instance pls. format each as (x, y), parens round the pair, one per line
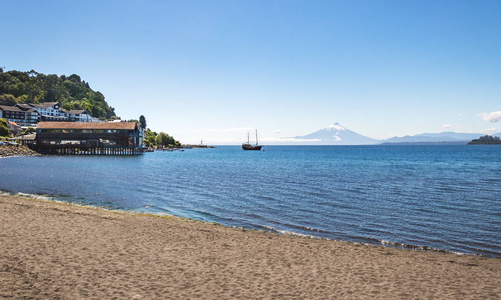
(248, 146)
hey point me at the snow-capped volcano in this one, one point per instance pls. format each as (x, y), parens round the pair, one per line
(336, 126)
(337, 134)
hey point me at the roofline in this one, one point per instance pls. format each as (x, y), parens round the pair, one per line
(89, 125)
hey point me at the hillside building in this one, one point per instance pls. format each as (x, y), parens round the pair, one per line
(24, 117)
(28, 115)
(52, 111)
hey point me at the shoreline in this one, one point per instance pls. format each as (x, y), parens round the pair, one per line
(17, 151)
(57, 249)
(270, 230)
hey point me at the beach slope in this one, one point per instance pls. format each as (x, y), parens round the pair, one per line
(57, 250)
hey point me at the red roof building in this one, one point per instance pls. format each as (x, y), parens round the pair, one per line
(89, 135)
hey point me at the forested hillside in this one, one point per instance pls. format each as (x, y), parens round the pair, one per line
(70, 91)
(486, 140)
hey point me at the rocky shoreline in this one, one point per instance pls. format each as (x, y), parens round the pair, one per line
(7, 151)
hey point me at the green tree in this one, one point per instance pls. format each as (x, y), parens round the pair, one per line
(150, 138)
(75, 78)
(142, 120)
(4, 131)
(7, 100)
(162, 139)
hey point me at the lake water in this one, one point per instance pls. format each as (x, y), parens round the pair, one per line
(442, 197)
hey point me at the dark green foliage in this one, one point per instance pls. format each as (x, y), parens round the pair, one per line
(142, 120)
(70, 91)
(486, 140)
(7, 99)
(163, 139)
(4, 131)
(150, 138)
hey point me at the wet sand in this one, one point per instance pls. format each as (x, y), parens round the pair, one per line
(57, 250)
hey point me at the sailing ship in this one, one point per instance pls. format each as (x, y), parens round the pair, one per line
(248, 146)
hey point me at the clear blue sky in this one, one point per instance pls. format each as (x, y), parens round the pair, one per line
(213, 69)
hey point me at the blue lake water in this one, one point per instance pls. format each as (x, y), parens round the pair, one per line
(442, 197)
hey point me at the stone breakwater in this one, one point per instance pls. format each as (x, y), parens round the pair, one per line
(6, 151)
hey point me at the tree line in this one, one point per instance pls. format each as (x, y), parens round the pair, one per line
(486, 140)
(162, 139)
(72, 92)
(152, 139)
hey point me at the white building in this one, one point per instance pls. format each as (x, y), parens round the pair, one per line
(52, 111)
(81, 116)
(24, 117)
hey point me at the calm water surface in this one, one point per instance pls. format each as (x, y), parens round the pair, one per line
(443, 197)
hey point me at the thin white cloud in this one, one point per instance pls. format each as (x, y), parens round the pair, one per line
(277, 131)
(493, 117)
(241, 129)
(449, 127)
(490, 131)
(289, 140)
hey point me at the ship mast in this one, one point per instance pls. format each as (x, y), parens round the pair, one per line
(256, 137)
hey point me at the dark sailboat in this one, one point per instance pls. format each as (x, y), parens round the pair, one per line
(248, 146)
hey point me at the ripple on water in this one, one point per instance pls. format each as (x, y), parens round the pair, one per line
(443, 197)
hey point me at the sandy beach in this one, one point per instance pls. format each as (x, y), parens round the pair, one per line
(54, 250)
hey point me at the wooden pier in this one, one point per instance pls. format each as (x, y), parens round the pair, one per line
(72, 150)
(89, 138)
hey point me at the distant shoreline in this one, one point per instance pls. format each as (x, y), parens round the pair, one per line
(382, 144)
(425, 143)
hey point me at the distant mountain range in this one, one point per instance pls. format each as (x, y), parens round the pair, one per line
(337, 134)
(434, 137)
(442, 137)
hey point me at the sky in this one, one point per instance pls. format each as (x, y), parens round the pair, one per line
(214, 70)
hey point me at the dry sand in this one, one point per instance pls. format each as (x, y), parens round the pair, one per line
(55, 250)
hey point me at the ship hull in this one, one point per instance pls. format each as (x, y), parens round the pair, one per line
(251, 147)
